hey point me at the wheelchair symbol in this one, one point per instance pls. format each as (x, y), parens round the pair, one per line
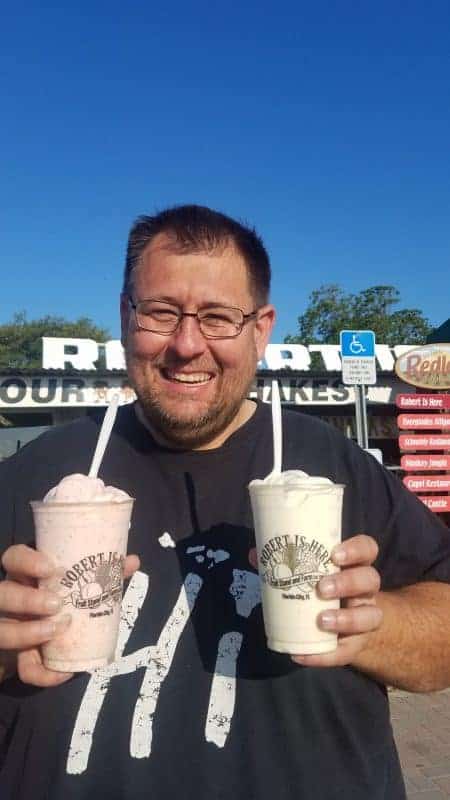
(356, 347)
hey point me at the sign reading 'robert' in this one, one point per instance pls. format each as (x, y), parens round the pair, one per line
(85, 354)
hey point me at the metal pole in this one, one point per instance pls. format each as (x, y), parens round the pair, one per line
(362, 432)
(358, 415)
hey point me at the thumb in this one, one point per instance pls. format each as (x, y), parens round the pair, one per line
(253, 558)
(132, 563)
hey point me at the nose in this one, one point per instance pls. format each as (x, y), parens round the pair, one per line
(188, 341)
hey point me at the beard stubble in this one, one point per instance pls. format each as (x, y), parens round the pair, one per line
(196, 431)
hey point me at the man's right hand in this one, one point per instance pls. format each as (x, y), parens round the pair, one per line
(27, 615)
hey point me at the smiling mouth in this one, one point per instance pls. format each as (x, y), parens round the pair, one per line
(193, 378)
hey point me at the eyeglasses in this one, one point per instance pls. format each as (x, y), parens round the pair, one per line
(216, 322)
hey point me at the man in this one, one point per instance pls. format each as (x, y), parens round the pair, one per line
(195, 705)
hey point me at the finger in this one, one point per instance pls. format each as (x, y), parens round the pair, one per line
(345, 653)
(359, 549)
(23, 635)
(361, 619)
(22, 560)
(31, 670)
(26, 600)
(253, 558)
(361, 600)
(132, 563)
(351, 582)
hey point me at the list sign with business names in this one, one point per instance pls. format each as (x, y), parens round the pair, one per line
(426, 442)
(425, 483)
(429, 402)
(408, 422)
(425, 462)
(439, 505)
(439, 462)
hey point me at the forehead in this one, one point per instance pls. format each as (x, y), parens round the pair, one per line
(218, 274)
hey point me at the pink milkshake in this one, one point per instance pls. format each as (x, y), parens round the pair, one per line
(82, 525)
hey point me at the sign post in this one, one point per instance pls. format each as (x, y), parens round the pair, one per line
(358, 370)
(362, 433)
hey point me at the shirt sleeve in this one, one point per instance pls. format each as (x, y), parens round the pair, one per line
(414, 544)
(7, 506)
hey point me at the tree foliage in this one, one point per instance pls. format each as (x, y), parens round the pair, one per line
(331, 310)
(20, 339)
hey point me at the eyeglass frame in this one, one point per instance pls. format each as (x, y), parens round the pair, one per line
(181, 314)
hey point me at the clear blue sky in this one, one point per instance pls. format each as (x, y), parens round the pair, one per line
(324, 124)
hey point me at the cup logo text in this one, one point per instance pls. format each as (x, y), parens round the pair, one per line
(95, 583)
(294, 564)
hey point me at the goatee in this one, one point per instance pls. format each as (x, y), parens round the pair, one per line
(183, 434)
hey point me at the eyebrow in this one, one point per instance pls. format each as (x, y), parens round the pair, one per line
(210, 304)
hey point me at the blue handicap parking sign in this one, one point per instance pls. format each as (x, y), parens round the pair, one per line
(357, 344)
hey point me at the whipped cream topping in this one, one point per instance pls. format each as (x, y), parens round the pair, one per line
(79, 488)
(292, 478)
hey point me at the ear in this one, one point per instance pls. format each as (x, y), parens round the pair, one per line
(263, 328)
(125, 310)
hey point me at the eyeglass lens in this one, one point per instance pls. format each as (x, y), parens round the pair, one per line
(159, 317)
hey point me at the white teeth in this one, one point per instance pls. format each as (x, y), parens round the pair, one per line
(191, 377)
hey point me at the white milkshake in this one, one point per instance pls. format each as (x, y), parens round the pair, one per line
(82, 525)
(297, 521)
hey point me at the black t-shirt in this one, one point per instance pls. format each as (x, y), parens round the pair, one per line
(195, 705)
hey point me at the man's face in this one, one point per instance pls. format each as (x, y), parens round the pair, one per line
(191, 389)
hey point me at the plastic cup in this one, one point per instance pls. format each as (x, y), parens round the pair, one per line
(88, 543)
(296, 527)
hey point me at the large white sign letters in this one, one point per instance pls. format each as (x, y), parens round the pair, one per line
(83, 354)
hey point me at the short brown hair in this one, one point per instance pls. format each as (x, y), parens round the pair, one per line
(198, 228)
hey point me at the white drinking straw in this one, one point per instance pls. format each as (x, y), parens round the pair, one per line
(103, 438)
(277, 428)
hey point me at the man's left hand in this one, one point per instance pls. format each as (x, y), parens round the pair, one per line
(357, 585)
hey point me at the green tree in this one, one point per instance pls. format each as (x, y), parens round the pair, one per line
(20, 339)
(331, 310)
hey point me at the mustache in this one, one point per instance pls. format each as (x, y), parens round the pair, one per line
(173, 363)
(178, 363)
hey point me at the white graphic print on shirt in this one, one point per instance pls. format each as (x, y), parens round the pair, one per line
(166, 540)
(157, 660)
